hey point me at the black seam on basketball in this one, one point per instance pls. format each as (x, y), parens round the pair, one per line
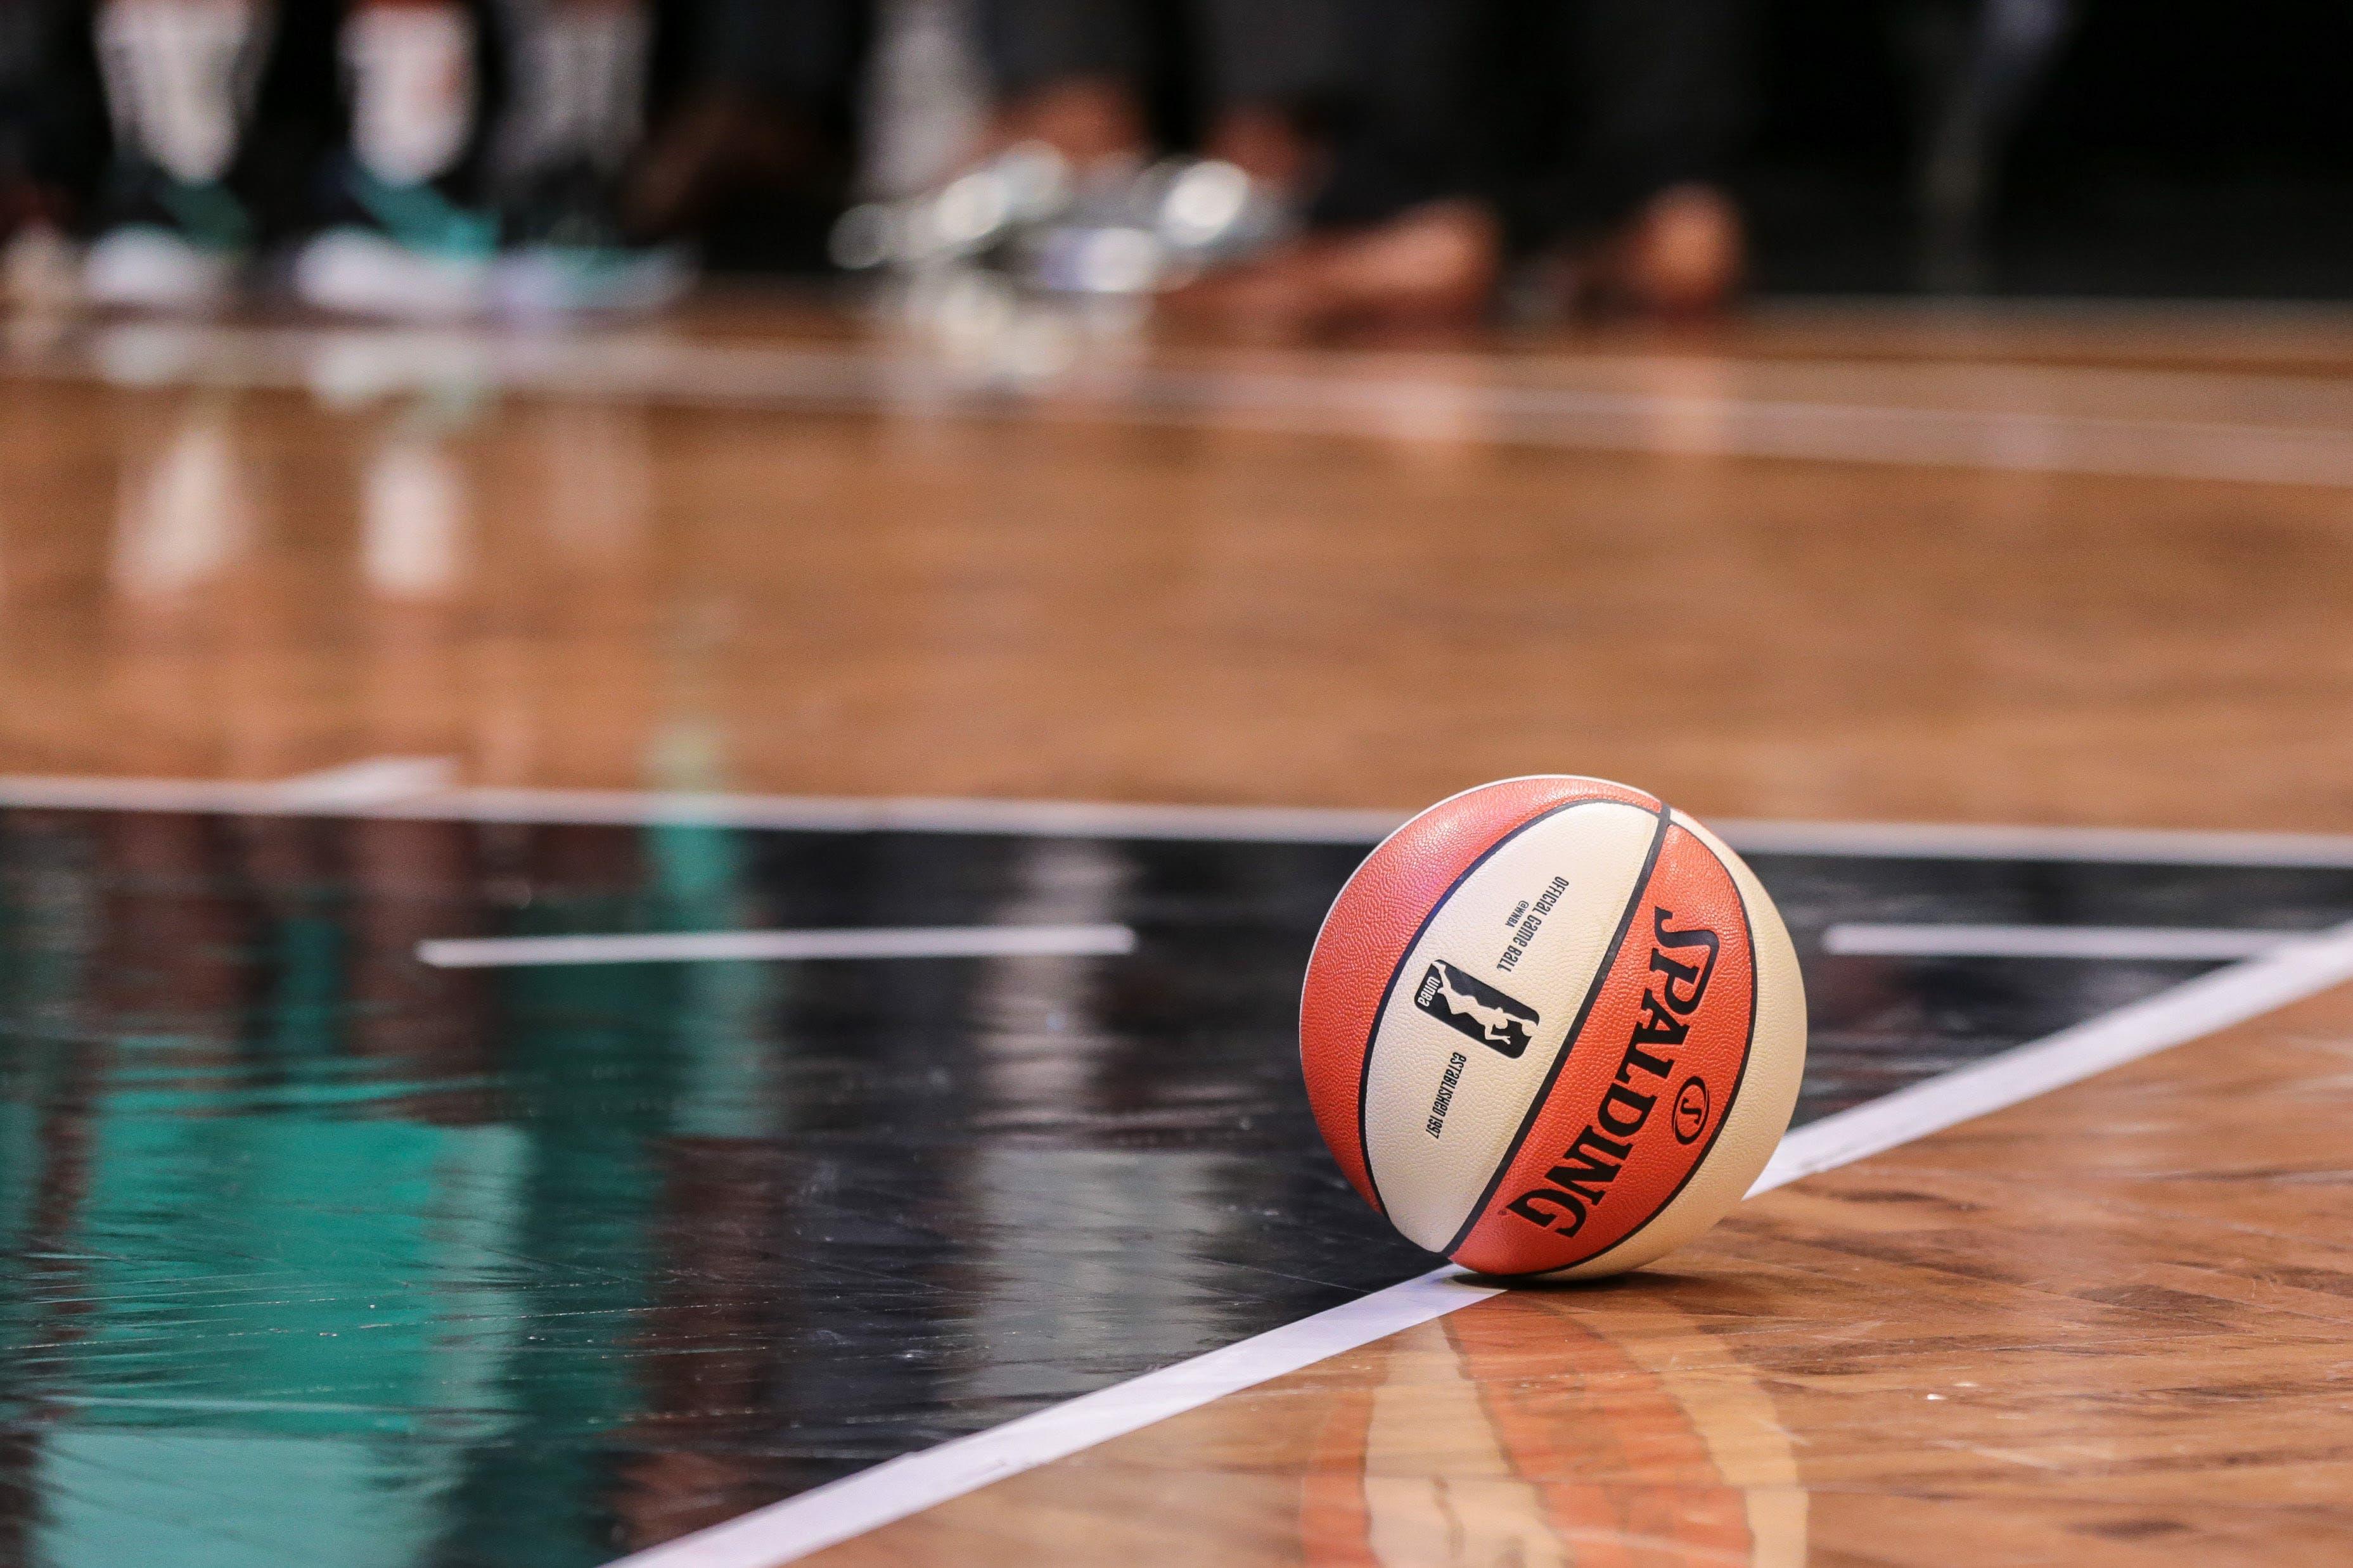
(1748, 1050)
(1575, 1027)
(1373, 1034)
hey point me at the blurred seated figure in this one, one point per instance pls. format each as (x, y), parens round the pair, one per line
(1398, 154)
(428, 209)
(1590, 141)
(1635, 212)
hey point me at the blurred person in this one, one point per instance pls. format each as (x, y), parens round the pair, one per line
(180, 77)
(1594, 141)
(1642, 214)
(574, 119)
(430, 190)
(412, 216)
(1423, 141)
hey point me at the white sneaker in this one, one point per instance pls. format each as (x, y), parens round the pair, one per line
(141, 266)
(367, 272)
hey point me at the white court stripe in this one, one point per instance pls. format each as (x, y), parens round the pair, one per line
(893, 1491)
(704, 946)
(828, 1515)
(2128, 943)
(343, 365)
(625, 809)
(1028, 819)
(1976, 841)
(1054, 818)
(2287, 972)
(372, 781)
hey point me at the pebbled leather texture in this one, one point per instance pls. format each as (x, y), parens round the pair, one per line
(1374, 923)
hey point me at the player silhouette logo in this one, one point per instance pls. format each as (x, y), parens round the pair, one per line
(1476, 1008)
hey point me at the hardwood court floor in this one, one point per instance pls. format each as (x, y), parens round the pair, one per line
(2071, 569)
(2107, 1326)
(959, 589)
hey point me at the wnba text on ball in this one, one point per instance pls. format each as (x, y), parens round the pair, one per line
(1596, 1155)
(1525, 930)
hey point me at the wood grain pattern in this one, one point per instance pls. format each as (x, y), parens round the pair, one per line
(2109, 1326)
(622, 593)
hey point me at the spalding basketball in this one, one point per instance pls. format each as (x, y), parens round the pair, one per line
(1552, 1027)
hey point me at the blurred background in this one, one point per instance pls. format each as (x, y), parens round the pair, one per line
(1274, 165)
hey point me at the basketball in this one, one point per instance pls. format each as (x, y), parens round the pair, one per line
(1552, 1027)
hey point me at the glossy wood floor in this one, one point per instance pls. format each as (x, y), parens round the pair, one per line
(625, 590)
(2110, 1326)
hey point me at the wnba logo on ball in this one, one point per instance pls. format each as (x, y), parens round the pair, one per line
(1476, 1008)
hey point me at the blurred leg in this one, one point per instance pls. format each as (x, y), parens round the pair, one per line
(578, 92)
(406, 236)
(1664, 90)
(1667, 86)
(29, 49)
(414, 90)
(180, 77)
(1035, 44)
(2010, 47)
(573, 121)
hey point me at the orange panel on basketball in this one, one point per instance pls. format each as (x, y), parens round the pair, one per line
(1644, 1088)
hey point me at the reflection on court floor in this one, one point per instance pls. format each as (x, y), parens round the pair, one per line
(318, 1252)
(1565, 1442)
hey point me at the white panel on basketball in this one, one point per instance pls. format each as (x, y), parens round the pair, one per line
(1428, 1182)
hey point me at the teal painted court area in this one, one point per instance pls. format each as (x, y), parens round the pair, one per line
(322, 1253)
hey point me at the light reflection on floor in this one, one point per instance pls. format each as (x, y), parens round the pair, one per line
(318, 1255)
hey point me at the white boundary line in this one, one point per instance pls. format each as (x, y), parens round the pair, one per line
(626, 808)
(349, 366)
(700, 946)
(372, 781)
(2124, 943)
(2288, 971)
(1973, 841)
(898, 1488)
(829, 1515)
(401, 787)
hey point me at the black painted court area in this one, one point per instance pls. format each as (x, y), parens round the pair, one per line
(317, 1255)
